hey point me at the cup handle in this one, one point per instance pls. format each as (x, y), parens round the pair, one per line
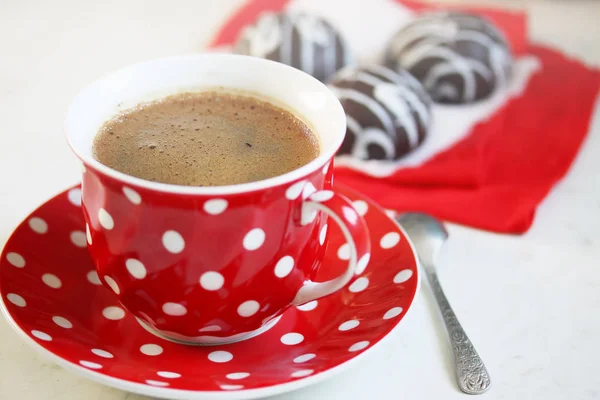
(353, 227)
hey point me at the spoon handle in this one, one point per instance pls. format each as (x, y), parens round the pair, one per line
(471, 374)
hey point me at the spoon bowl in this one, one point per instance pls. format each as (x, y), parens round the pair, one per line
(427, 234)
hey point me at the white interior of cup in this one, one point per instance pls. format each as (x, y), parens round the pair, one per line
(152, 80)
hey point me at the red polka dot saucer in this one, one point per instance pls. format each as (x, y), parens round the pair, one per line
(51, 295)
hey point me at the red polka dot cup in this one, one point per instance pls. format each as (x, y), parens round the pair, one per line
(212, 265)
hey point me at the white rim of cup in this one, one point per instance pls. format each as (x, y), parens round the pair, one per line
(336, 112)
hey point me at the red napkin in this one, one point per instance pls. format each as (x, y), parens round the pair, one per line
(497, 175)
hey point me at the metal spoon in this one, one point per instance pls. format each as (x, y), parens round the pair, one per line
(428, 235)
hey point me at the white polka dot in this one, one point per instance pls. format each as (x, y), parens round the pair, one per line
(403, 276)
(344, 252)
(132, 195)
(215, 206)
(308, 190)
(359, 285)
(391, 213)
(220, 356)
(113, 313)
(90, 364)
(93, 278)
(105, 219)
(237, 375)
(301, 373)
(346, 326)
(168, 375)
(293, 192)
(358, 346)
(88, 234)
(361, 207)
(322, 195)
(135, 268)
(16, 300)
(248, 308)
(173, 242)
(362, 263)
(389, 240)
(38, 225)
(325, 168)
(309, 214)
(102, 353)
(42, 336)
(232, 387)
(51, 280)
(174, 309)
(392, 312)
(151, 349)
(284, 266)
(254, 239)
(156, 383)
(292, 338)
(304, 358)
(78, 238)
(323, 235)
(210, 328)
(113, 285)
(350, 215)
(16, 260)
(62, 322)
(212, 280)
(74, 196)
(311, 305)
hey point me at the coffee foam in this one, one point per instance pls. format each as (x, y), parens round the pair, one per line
(210, 138)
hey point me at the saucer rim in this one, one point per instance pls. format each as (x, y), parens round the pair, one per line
(184, 394)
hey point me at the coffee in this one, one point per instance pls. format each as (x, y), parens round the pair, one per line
(210, 138)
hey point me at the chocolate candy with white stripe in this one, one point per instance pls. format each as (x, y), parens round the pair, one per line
(301, 40)
(459, 58)
(388, 113)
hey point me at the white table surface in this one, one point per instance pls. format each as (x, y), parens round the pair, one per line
(531, 304)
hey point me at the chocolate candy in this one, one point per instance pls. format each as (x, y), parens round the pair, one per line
(388, 113)
(301, 40)
(459, 58)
